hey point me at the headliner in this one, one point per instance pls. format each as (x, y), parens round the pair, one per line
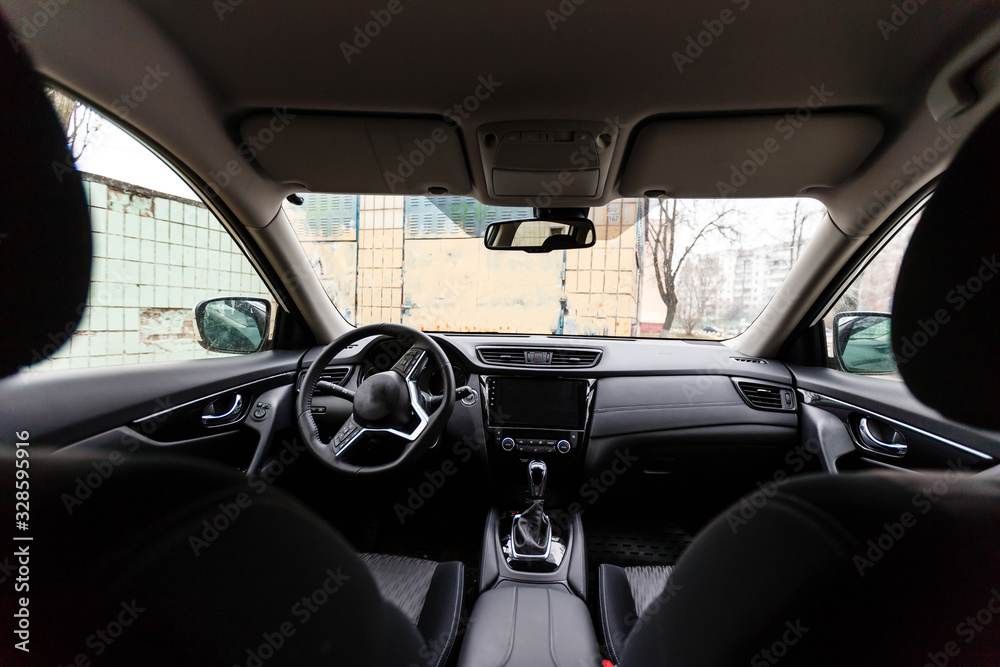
(606, 59)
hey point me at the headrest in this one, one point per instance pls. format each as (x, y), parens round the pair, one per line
(946, 309)
(44, 223)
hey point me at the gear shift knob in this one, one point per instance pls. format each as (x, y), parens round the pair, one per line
(538, 473)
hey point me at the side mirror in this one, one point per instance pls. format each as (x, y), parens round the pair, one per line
(862, 343)
(540, 234)
(233, 324)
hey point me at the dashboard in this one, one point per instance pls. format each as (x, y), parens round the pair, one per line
(581, 400)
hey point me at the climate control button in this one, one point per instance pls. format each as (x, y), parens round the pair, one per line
(563, 446)
(507, 444)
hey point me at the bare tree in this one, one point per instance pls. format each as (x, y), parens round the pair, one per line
(799, 219)
(662, 226)
(698, 284)
(79, 122)
(687, 310)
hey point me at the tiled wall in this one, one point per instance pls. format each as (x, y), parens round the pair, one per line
(380, 259)
(155, 258)
(443, 281)
(602, 295)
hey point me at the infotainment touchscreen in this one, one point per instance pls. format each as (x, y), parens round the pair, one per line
(539, 403)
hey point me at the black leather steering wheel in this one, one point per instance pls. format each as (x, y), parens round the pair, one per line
(388, 402)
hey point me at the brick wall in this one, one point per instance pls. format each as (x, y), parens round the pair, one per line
(155, 257)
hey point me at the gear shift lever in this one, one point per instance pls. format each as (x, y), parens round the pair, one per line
(531, 532)
(538, 474)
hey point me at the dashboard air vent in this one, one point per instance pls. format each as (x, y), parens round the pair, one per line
(584, 358)
(337, 374)
(766, 396)
(553, 357)
(749, 360)
(334, 374)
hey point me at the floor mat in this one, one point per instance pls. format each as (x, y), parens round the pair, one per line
(635, 545)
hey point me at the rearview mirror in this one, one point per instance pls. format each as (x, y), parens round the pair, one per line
(540, 235)
(233, 324)
(862, 343)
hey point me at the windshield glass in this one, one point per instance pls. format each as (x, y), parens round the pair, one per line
(660, 267)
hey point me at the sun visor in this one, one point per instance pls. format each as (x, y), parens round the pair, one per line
(357, 154)
(759, 156)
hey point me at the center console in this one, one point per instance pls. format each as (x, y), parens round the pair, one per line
(533, 574)
(533, 586)
(532, 416)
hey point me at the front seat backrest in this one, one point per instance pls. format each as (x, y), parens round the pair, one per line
(946, 309)
(44, 225)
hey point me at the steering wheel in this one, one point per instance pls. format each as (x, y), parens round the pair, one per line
(387, 402)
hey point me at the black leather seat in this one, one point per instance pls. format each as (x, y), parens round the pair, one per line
(860, 569)
(167, 561)
(625, 595)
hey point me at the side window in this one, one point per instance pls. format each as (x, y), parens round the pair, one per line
(858, 331)
(158, 253)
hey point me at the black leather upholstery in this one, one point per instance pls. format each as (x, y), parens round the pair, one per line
(541, 625)
(175, 562)
(873, 569)
(572, 571)
(429, 594)
(833, 570)
(216, 567)
(945, 326)
(402, 581)
(532, 530)
(43, 214)
(626, 595)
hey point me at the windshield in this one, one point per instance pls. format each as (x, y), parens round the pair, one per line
(671, 268)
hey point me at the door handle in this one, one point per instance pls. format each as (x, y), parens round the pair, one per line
(872, 443)
(228, 415)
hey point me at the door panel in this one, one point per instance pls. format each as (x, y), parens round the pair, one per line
(60, 408)
(879, 423)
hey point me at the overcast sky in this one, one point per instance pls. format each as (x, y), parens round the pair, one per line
(113, 153)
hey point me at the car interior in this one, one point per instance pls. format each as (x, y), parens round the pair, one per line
(447, 481)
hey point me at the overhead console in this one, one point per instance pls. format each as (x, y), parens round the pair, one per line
(544, 160)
